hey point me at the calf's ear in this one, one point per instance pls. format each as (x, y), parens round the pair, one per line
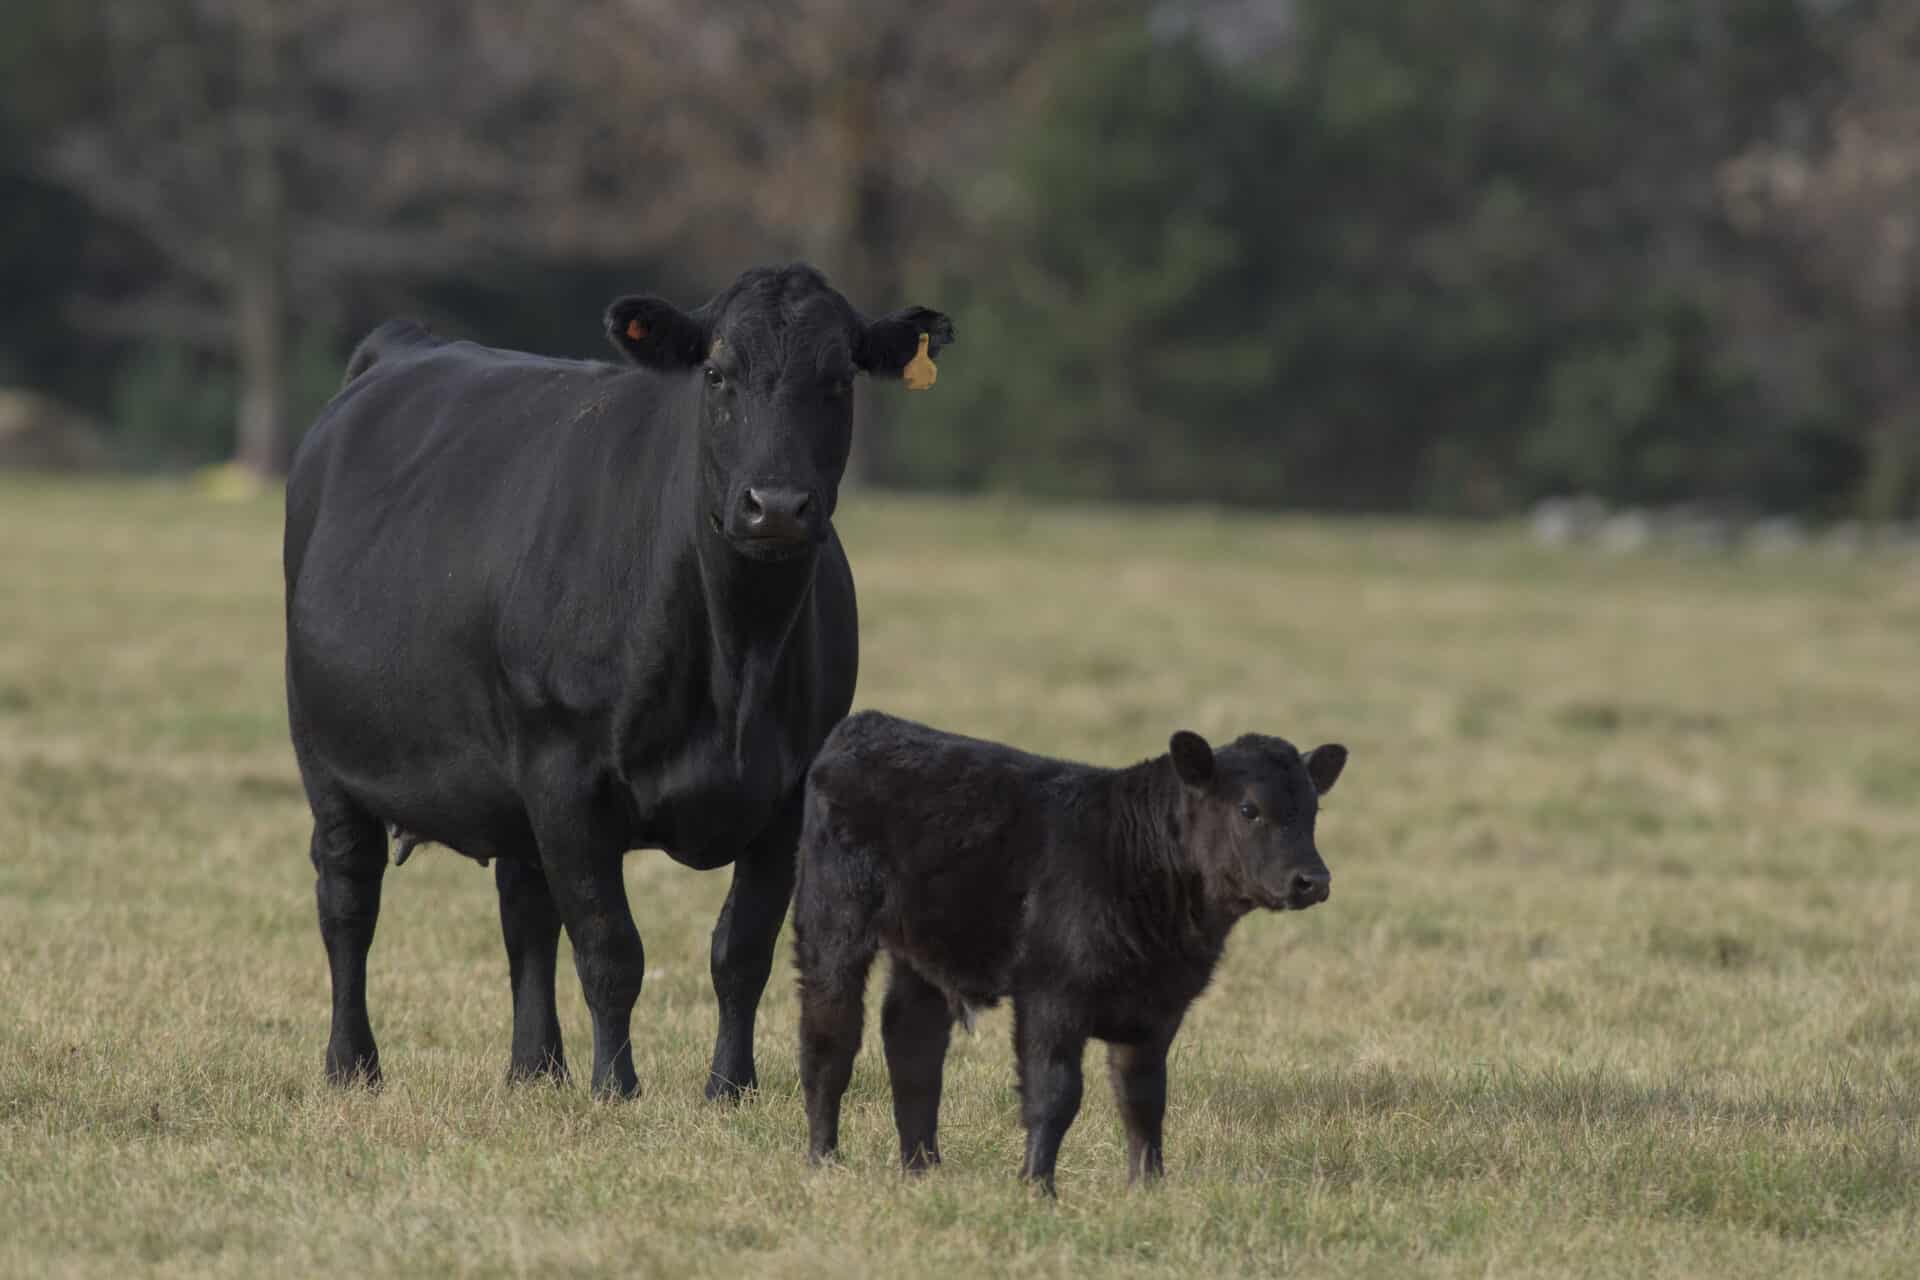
(1324, 764)
(890, 344)
(653, 332)
(1192, 758)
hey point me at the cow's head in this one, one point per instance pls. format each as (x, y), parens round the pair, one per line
(770, 362)
(1249, 817)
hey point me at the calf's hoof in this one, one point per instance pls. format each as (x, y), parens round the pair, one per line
(1147, 1177)
(1041, 1188)
(919, 1161)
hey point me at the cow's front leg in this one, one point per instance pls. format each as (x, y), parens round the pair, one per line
(743, 945)
(530, 925)
(581, 858)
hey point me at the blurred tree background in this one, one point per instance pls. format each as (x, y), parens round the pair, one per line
(1375, 255)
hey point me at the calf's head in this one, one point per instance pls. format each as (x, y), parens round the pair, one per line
(1248, 818)
(769, 364)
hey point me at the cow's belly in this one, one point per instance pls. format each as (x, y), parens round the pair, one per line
(437, 790)
(712, 823)
(413, 753)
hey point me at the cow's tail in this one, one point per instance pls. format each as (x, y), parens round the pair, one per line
(383, 339)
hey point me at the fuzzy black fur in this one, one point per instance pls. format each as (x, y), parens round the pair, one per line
(1099, 899)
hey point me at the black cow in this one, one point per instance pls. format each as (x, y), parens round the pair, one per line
(1099, 899)
(547, 611)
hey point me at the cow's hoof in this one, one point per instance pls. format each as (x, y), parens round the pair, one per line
(361, 1071)
(616, 1091)
(544, 1070)
(721, 1089)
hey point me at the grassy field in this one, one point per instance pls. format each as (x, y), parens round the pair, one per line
(1621, 973)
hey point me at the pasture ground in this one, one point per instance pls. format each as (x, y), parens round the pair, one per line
(1620, 975)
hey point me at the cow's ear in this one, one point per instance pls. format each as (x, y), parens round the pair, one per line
(1324, 764)
(653, 332)
(891, 343)
(1192, 758)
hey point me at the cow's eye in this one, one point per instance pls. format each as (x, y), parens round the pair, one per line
(1249, 810)
(715, 378)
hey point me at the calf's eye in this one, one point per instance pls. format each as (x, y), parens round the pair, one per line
(715, 378)
(1249, 810)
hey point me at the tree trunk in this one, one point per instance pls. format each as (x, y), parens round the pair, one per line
(260, 346)
(1889, 485)
(870, 255)
(1887, 489)
(258, 284)
(864, 240)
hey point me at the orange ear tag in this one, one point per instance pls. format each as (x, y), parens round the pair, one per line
(636, 330)
(919, 373)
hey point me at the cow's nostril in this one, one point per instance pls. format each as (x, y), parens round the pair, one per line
(800, 507)
(752, 507)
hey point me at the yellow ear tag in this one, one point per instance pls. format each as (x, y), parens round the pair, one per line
(919, 373)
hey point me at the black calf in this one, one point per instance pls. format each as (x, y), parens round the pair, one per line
(1098, 899)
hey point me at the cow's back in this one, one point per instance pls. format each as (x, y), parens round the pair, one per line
(445, 439)
(420, 495)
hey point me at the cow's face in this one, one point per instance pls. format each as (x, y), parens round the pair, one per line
(770, 365)
(1250, 811)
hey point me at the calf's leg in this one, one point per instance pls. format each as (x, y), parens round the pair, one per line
(1049, 1044)
(834, 951)
(530, 925)
(349, 852)
(916, 1025)
(1139, 1076)
(832, 1011)
(743, 945)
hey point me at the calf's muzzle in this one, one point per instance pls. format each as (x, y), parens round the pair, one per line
(1305, 888)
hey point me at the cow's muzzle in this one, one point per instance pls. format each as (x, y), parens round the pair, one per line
(775, 522)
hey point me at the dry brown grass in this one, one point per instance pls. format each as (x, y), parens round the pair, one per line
(1619, 976)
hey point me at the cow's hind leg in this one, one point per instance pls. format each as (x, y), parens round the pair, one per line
(916, 1023)
(530, 924)
(349, 852)
(743, 946)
